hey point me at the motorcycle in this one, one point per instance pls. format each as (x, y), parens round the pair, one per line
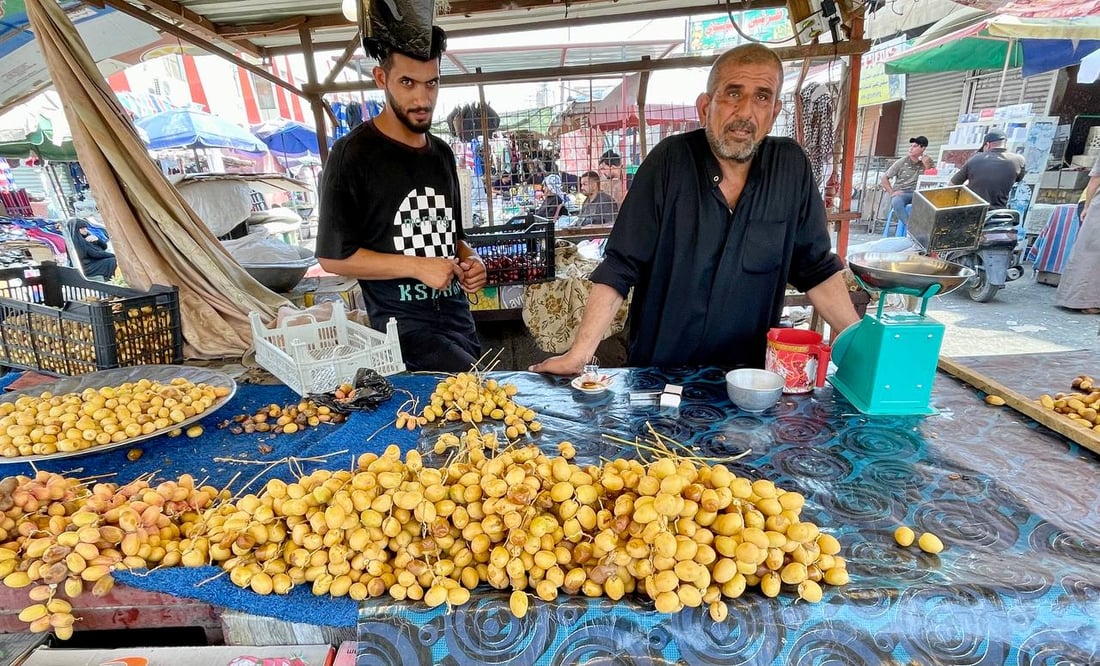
(997, 259)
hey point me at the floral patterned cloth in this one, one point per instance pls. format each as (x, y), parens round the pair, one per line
(552, 310)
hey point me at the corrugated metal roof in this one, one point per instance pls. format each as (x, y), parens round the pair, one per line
(511, 13)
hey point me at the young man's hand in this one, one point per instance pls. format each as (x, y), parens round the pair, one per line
(439, 272)
(473, 275)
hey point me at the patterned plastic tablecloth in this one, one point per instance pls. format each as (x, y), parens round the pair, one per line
(1017, 506)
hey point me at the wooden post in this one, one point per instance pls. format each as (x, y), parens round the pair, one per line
(486, 163)
(855, 62)
(316, 101)
(643, 87)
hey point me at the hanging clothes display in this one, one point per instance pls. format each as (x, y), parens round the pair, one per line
(355, 115)
(819, 128)
(339, 110)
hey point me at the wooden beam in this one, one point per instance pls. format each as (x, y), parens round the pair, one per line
(291, 24)
(643, 89)
(316, 103)
(857, 47)
(194, 22)
(342, 61)
(467, 8)
(848, 157)
(192, 38)
(486, 162)
(285, 25)
(1060, 424)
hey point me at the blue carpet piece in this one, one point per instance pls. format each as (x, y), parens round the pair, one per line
(298, 606)
(204, 458)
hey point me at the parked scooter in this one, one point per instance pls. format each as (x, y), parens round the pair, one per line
(997, 259)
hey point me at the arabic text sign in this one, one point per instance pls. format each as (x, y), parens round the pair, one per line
(875, 86)
(718, 34)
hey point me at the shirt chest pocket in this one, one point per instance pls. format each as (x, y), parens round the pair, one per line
(762, 251)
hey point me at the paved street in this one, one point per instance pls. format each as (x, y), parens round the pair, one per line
(1021, 319)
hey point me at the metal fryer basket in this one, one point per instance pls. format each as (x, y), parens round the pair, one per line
(947, 218)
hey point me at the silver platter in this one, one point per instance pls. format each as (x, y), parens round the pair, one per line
(116, 377)
(897, 271)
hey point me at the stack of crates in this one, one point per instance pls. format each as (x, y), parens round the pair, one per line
(55, 321)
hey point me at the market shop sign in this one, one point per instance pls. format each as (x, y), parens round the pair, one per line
(875, 85)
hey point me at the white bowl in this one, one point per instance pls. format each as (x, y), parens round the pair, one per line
(753, 390)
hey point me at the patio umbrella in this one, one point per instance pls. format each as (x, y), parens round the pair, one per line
(290, 139)
(37, 127)
(186, 128)
(158, 239)
(1035, 45)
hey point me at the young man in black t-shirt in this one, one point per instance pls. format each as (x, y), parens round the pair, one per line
(390, 216)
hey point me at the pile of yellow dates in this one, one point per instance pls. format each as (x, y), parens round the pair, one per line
(679, 532)
(49, 424)
(1082, 407)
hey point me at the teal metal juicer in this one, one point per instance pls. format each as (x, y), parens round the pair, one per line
(886, 363)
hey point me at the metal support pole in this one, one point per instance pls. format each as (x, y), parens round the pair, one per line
(316, 102)
(643, 88)
(486, 163)
(1004, 70)
(855, 63)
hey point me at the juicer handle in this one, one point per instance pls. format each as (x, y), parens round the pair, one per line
(822, 352)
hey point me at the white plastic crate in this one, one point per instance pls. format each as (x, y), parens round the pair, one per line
(316, 357)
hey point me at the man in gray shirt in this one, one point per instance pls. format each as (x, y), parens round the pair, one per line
(991, 173)
(599, 207)
(904, 173)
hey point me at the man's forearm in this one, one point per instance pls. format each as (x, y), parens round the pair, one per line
(831, 300)
(1090, 190)
(886, 185)
(603, 303)
(371, 265)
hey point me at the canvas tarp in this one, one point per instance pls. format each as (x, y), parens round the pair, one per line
(157, 237)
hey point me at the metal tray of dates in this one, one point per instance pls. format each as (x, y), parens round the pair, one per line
(116, 377)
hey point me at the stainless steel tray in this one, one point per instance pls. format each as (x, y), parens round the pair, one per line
(115, 377)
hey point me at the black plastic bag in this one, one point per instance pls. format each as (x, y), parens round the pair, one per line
(402, 25)
(371, 390)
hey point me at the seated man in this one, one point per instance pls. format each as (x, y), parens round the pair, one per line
(904, 173)
(599, 207)
(92, 252)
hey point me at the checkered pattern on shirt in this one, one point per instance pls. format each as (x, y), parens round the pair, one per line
(425, 224)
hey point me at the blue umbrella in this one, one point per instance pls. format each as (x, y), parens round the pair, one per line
(185, 128)
(290, 139)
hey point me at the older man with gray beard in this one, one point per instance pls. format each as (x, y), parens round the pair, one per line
(716, 225)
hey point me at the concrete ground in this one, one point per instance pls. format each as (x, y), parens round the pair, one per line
(1022, 318)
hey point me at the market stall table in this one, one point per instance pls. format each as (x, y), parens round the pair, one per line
(1017, 506)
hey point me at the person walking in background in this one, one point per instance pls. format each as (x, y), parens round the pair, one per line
(904, 174)
(1079, 286)
(992, 172)
(599, 207)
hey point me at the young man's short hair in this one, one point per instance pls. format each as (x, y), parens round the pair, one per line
(611, 158)
(591, 175)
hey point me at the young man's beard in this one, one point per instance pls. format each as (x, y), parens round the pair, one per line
(406, 120)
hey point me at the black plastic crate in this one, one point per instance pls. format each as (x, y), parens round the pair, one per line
(53, 320)
(516, 253)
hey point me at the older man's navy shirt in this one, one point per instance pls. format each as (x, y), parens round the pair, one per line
(709, 282)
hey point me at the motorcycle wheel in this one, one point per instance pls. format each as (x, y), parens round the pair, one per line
(983, 291)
